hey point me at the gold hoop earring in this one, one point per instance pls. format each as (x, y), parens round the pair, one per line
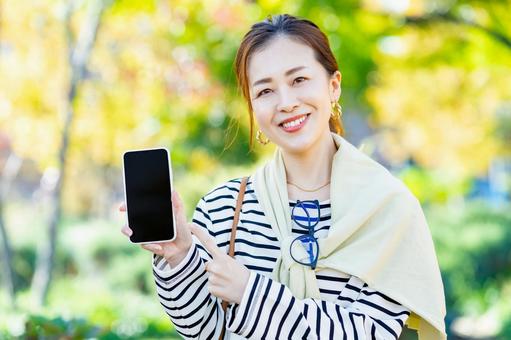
(260, 139)
(336, 111)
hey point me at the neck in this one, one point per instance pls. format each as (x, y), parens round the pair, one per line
(312, 168)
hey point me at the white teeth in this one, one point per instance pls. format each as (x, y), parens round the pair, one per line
(294, 122)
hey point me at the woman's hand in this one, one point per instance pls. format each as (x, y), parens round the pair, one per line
(176, 250)
(227, 278)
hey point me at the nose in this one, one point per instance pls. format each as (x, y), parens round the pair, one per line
(287, 101)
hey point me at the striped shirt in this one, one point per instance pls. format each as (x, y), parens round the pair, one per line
(348, 308)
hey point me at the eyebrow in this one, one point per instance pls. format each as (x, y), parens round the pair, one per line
(288, 72)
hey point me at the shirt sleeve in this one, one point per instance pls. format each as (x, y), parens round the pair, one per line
(269, 310)
(183, 292)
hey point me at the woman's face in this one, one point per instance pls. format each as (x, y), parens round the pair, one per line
(291, 94)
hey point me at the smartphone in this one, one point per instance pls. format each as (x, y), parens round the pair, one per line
(148, 185)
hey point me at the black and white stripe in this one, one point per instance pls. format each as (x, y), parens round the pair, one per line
(348, 308)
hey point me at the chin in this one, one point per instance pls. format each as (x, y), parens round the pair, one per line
(298, 144)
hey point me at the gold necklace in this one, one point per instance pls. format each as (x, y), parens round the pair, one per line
(312, 190)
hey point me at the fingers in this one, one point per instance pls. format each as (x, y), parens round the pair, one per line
(206, 240)
(211, 267)
(152, 247)
(179, 211)
(155, 248)
(127, 230)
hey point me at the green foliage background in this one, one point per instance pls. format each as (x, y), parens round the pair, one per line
(430, 78)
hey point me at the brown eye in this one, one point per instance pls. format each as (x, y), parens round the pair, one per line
(299, 79)
(263, 92)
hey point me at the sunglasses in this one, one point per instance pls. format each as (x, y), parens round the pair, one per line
(306, 215)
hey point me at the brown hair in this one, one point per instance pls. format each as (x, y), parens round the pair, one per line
(263, 32)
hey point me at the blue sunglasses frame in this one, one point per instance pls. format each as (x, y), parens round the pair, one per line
(308, 240)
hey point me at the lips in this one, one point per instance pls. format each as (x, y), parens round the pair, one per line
(293, 118)
(295, 123)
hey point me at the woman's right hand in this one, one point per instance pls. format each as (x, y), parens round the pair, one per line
(175, 251)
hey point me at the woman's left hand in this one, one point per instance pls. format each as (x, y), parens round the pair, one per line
(227, 278)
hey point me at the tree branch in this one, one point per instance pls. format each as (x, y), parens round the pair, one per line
(449, 17)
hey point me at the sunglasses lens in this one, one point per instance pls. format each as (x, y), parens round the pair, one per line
(306, 213)
(304, 250)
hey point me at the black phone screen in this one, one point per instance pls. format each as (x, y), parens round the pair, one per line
(148, 195)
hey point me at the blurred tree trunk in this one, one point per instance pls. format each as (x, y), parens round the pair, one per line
(9, 171)
(78, 56)
(6, 248)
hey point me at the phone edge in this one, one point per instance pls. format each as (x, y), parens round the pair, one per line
(169, 162)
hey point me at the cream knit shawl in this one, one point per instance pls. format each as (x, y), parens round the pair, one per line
(378, 233)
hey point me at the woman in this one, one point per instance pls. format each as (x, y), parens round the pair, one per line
(329, 245)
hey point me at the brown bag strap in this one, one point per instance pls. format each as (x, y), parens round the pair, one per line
(239, 203)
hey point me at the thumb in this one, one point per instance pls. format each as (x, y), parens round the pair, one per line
(178, 206)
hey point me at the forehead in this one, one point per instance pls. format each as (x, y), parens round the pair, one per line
(278, 56)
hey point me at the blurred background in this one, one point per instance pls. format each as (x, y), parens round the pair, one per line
(426, 91)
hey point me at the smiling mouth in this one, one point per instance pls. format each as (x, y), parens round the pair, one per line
(294, 125)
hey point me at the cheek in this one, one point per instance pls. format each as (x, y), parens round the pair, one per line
(314, 91)
(262, 110)
(316, 96)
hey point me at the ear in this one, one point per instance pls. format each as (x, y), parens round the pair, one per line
(334, 86)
